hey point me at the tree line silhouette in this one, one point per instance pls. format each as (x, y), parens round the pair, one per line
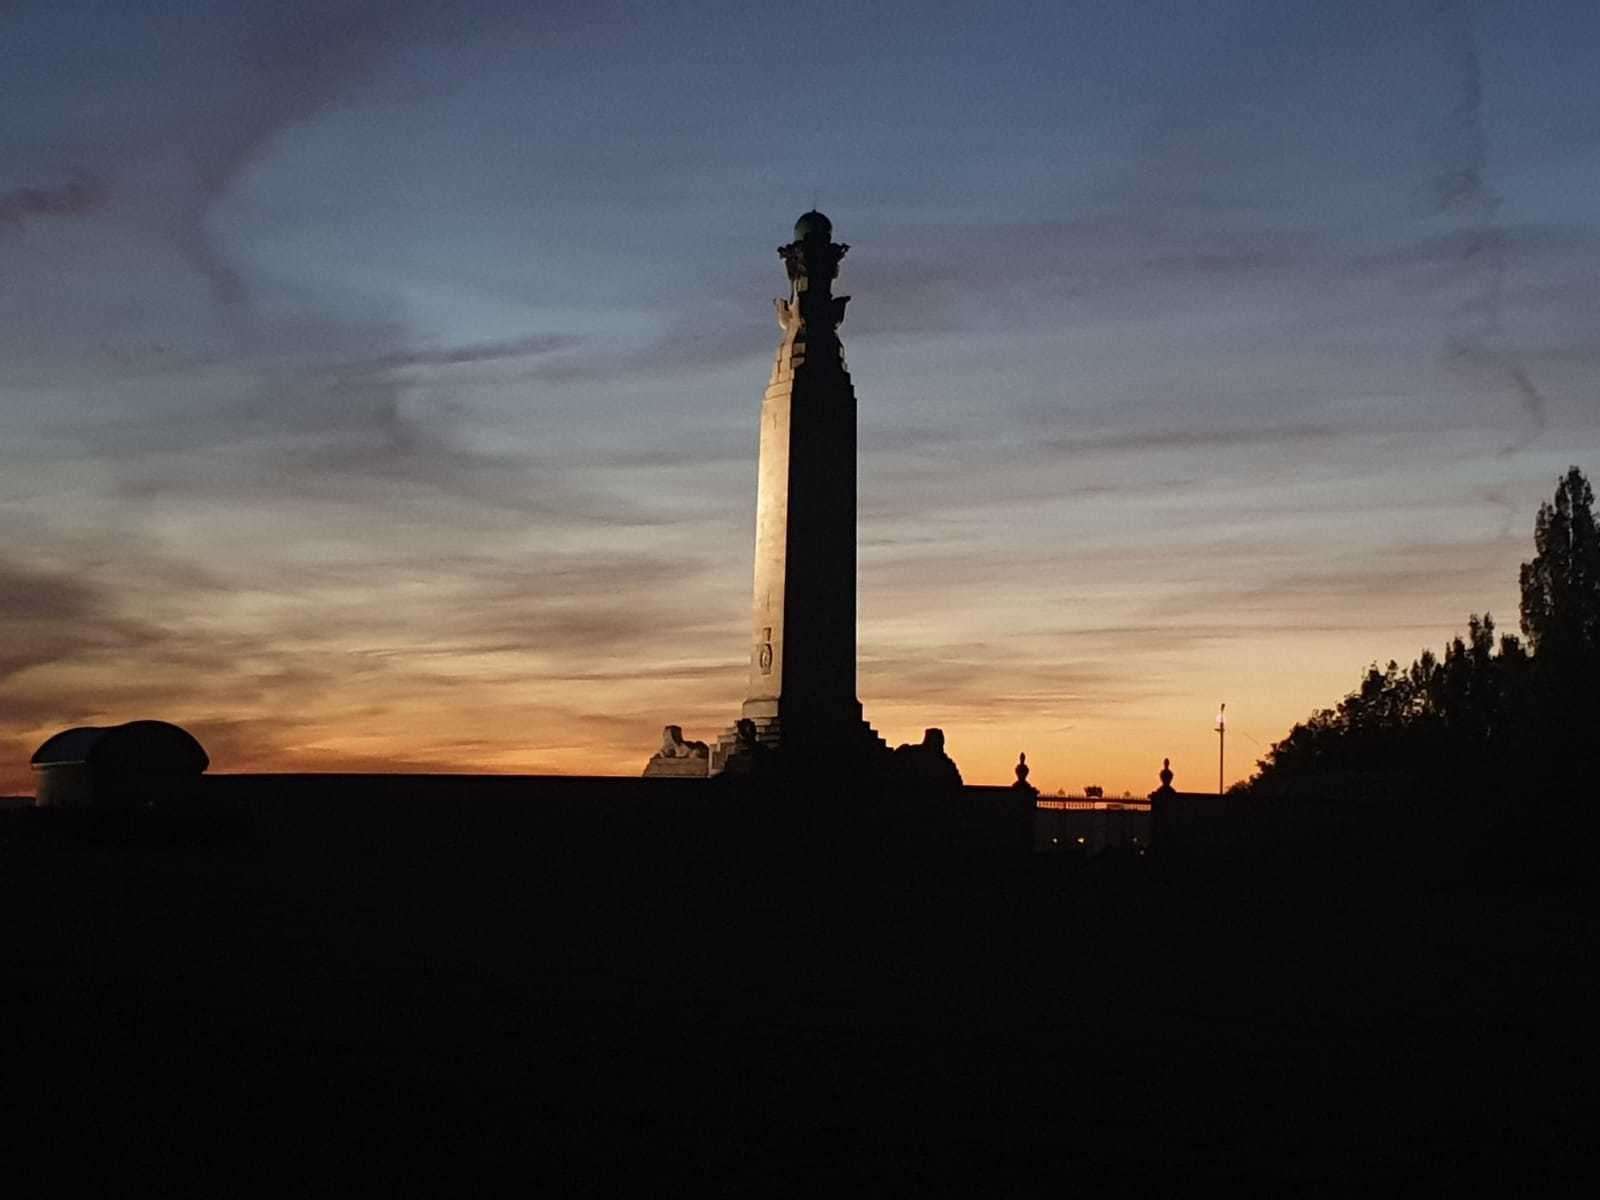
(1497, 718)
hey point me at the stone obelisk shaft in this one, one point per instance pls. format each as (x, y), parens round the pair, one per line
(802, 691)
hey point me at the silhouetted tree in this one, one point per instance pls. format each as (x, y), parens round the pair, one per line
(1439, 724)
(1485, 735)
(1561, 617)
(1561, 586)
(1489, 716)
(1399, 721)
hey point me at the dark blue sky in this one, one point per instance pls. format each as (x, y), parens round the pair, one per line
(378, 381)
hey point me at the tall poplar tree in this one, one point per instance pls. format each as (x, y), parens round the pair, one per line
(1561, 586)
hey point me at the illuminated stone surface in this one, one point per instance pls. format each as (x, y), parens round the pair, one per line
(677, 758)
(802, 682)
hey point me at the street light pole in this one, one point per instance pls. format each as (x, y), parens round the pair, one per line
(1222, 739)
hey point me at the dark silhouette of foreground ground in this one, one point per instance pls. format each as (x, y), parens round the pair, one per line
(762, 1003)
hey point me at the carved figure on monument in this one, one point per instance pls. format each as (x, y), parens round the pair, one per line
(673, 745)
(679, 758)
(926, 763)
(748, 755)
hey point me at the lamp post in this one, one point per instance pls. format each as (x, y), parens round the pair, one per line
(1222, 739)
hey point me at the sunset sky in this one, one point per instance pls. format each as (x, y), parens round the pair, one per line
(379, 381)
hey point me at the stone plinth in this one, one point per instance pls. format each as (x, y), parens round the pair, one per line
(847, 746)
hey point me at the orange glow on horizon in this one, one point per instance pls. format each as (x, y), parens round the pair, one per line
(499, 714)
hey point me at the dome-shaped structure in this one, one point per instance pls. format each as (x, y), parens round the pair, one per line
(116, 763)
(812, 224)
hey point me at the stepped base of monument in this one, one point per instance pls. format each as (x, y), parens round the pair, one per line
(817, 745)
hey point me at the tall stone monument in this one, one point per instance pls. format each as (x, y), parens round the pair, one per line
(802, 684)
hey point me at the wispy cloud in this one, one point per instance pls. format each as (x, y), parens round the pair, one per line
(1462, 191)
(381, 380)
(535, 345)
(49, 615)
(74, 198)
(300, 668)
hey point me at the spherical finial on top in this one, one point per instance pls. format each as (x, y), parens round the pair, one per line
(812, 224)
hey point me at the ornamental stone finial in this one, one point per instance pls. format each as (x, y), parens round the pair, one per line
(812, 263)
(812, 224)
(1022, 785)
